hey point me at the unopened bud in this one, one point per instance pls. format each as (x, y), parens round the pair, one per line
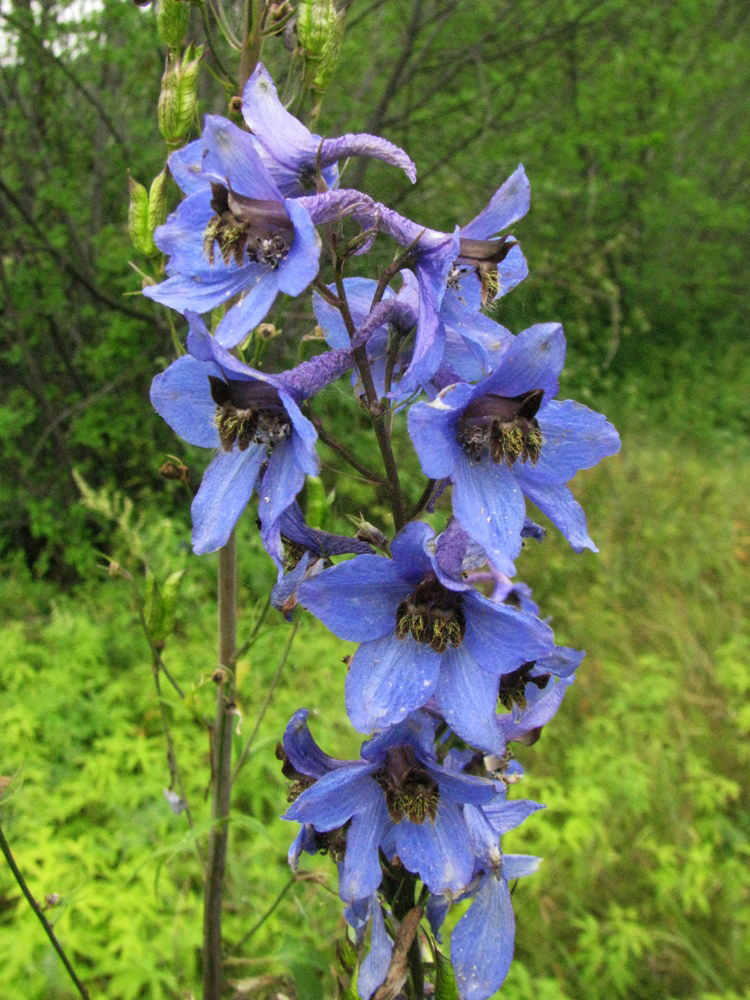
(138, 226)
(320, 29)
(267, 331)
(178, 100)
(52, 899)
(157, 201)
(172, 19)
(367, 532)
(174, 470)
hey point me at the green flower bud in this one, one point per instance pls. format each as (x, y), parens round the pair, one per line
(172, 18)
(178, 100)
(138, 224)
(320, 29)
(157, 201)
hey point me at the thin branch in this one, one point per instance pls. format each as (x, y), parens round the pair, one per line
(347, 455)
(5, 848)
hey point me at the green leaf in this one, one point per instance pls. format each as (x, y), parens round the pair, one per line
(445, 981)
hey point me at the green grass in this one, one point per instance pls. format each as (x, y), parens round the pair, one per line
(645, 889)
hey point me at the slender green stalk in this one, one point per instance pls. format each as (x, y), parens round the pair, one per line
(8, 854)
(221, 765)
(253, 40)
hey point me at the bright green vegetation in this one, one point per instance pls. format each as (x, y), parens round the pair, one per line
(645, 889)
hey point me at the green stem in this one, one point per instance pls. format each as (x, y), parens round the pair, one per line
(210, 39)
(221, 762)
(253, 40)
(8, 854)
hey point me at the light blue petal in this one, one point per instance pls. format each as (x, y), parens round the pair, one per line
(409, 549)
(356, 600)
(561, 507)
(489, 506)
(511, 271)
(260, 287)
(282, 135)
(375, 967)
(301, 264)
(438, 852)
(482, 941)
(362, 874)
(573, 437)
(433, 429)
(231, 157)
(181, 236)
(182, 396)
(227, 486)
(509, 203)
(505, 816)
(467, 696)
(516, 726)
(500, 638)
(389, 678)
(519, 865)
(186, 167)
(200, 293)
(303, 752)
(335, 797)
(533, 360)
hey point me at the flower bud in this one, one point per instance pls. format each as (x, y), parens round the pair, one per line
(157, 201)
(367, 532)
(320, 29)
(172, 18)
(178, 100)
(138, 215)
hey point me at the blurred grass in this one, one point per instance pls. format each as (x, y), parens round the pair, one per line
(645, 888)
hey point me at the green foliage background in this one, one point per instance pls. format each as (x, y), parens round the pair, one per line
(627, 119)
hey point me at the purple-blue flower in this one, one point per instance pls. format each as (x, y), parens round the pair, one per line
(459, 271)
(213, 400)
(292, 154)
(507, 438)
(423, 632)
(235, 238)
(397, 798)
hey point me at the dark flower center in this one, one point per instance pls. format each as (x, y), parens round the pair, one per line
(432, 614)
(504, 426)
(248, 413)
(513, 685)
(409, 789)
(484, 256)
(262, 230)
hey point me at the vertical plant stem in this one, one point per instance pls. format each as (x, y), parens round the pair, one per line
(8, 854)
(221, 766)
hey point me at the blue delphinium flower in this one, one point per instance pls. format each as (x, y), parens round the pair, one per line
(292, 154)
(397, 797)
(457, 272)
(234, 236)
(508, 437)
(423, 631)
(211, 399)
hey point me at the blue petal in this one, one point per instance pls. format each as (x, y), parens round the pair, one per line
(300, 266)
(186, 167)
(362, 874)
(260, 287)
(282, 481)
(485, 841)
(506, 816)
(181, 236)
(467, 696)
(356, 600)
(227, 486)
(182, 396)
(231, 157)
(285, 138)
(375, 967)
(362, 144)
(490, 507)
(335, 797)
(418, 730)
(200, 293)
(538, 714)
(500, 638)
(573, 437)
(482, 941)
(509, 203)
(438, 852)
(511, 271)
(409, 550)
(303, 752)
(389, 678)
(561, 507)
(518, 865)
(533, 360)
(433, 429)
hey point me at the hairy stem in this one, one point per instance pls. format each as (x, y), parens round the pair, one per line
(8, 854)
(221, 764)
